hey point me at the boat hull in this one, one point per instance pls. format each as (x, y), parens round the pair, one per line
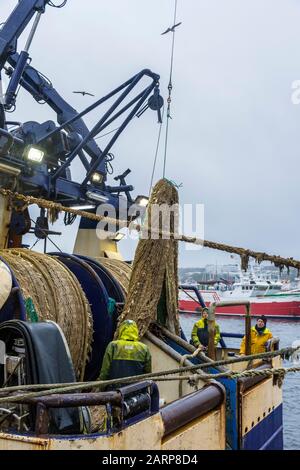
(272, 309)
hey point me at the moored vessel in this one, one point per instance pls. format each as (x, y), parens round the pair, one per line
(283, 305)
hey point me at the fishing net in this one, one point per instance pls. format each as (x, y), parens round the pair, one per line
(120, 270)
(56, 295)
(153, 287)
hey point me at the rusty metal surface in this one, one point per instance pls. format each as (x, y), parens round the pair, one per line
(204, 433)
(19, 442)
(211, 320)
(247, 382)
(248, 331)
(42, 420)
(75, 399)
(143, 435)
(183, 411)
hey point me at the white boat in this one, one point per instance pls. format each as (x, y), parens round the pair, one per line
(267, 297)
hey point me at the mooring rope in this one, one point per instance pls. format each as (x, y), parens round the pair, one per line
(244, 253)
(279, 373)
(50, 205)
(50, 389)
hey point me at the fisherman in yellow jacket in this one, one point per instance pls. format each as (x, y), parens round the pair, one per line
(126, 356)
(200, 331)
(260, 335)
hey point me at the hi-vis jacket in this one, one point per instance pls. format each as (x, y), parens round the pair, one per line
(126, 356)
(258, 342)
(200, 333)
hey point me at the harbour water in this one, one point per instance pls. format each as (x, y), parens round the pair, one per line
(288, 331)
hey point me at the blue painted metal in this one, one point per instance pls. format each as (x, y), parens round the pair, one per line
(196, 291)
(125, 392)
(267, 434)
(232, 418)
(229, 335)
(141, 387)
(107, 149)
(16, 24)
(232, 335)
(97, 296)
(231, 397)
(182, 335)
(11, 91)
(111, 284)
(72, 137)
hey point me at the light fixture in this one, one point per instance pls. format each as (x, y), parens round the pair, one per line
(34, 154)
(142, 201)
(96, 196)
(83, 208)
(118, 236)
(115, 236)
(97, 177)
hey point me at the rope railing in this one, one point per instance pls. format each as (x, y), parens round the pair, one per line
(244, 253)
(55, 206)
(50, 389)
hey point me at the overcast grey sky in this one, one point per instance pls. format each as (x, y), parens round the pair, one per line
(235, 134)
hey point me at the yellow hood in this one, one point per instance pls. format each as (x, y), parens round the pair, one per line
(128, 331)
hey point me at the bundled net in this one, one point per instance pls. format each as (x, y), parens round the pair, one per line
(56, 295)
(153, 287)
(120, 270)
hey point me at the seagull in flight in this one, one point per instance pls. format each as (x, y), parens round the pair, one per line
(83, 93)
(171, 29)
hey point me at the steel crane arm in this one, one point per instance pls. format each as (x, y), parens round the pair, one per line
(42, 89)
(15, 25)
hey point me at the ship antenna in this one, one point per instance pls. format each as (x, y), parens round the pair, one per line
(170, 86)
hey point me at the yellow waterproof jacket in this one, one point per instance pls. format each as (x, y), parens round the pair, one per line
(258, 342)
(199, 330)
(126, 356)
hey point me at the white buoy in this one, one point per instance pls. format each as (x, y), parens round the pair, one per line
(296, 355)
(5, 283)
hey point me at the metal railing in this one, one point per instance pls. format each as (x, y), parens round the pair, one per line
(212, 321)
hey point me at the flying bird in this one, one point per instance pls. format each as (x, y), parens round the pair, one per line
(171, 29)
(83, 93)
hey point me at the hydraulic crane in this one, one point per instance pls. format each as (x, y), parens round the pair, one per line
(35, 158)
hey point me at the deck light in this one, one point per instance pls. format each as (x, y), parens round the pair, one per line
(142, 201)
(96, 196)
(82, 208)
(97, 177)
(34, 154)
(119, 236)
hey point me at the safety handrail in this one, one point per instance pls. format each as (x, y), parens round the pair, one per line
(212, 321)
(69, 400)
